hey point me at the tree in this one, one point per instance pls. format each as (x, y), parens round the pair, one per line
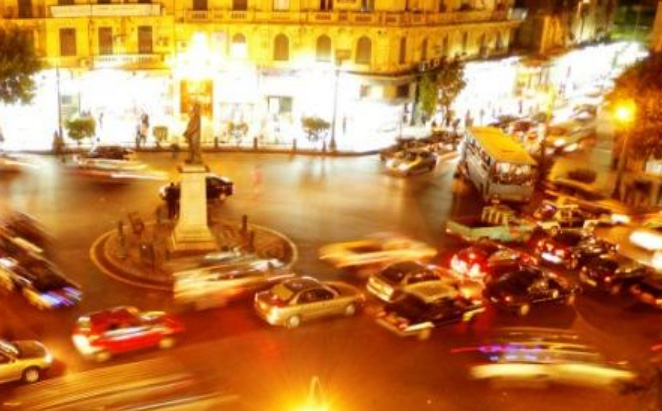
(81, 128)
(315, 128)
(641, 85)
(18, 63)
(428, 95)
(450, 82)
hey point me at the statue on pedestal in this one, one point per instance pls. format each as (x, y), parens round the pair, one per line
(192, 135)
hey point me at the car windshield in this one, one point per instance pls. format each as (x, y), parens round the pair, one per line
(569, 239)
(282, 292)
(409, 306)
(396, 272)
(49, 282)
(8, 348)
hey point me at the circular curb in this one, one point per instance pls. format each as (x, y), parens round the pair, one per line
(100, 241)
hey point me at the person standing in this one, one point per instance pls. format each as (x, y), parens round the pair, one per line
(172, 201)
(258, 179)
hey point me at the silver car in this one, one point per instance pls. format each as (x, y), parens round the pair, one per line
(216, 285)
(396, 277)
(23, 360)
(300, 299)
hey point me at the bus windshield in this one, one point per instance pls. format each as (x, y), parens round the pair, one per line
(508, 173)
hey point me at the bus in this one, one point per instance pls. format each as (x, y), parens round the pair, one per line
(500, 168)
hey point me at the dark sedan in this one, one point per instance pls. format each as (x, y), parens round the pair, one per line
(419, 310)
(111, 153)
(613, 272)
(572, 249)
(648, 290)
(519, 289)
(218, 188)
(476, 261)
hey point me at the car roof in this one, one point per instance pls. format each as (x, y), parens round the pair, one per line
(301, 283)
(101, 318)
(429, 291)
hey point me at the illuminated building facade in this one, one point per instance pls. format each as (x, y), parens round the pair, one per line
(266, 62)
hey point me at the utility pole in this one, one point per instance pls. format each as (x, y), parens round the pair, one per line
(59, 100)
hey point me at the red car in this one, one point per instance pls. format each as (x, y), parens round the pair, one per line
(102, 334)
(475, 261)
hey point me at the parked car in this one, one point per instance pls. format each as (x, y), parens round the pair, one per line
(217, 188)
(103, 334)
(572, 249)
(519, 289)
(401, 145)
(474, 261)
(295, 300)
(412, 162)
(648, 291)
(425, 306)
(23, 360)
(24, 226)
(41, 283)
(613, 272)
(648, 235)
(216, 285)
(375, 250)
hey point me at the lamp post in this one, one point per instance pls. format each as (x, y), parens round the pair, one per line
(550, 100)
(339, 57)
(624, 113)
(59, 100)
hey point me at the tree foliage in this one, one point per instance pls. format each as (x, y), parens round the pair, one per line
(450, 82)
(641, 85)
(18, 63)
(237, 130)
(428, 95)
(81, 128)
(315, 128)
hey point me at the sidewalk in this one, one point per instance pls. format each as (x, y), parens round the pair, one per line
(142, 258)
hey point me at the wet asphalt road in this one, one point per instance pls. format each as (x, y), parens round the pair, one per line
(314, 201)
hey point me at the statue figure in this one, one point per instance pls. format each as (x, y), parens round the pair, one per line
(192, 135)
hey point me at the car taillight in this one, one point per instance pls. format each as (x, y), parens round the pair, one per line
(381, 314)
(402, 323)
(560, 252)
(608, 279)
(541, 243)
(635, 289)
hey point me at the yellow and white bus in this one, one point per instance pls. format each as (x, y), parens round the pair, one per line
(500, 168)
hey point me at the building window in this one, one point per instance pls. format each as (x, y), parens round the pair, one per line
(364, 91)
(424, 50)
(499, 42)
(367, 6)
(364, 51)
(281, 48)
(465, 41)
(239, 5)
(444, 47)
(281, 5)
(145, 41)
(326, 5)
(105, 40)
(24, 9)
(403, 50)
(442, 7)
(323, 49)
(278, 105)
(103, 1)
(200, 5)
(67, 42)
(238, 48)
(402, 91)
(65, 2)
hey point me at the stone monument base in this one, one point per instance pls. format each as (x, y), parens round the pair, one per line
(191, 234)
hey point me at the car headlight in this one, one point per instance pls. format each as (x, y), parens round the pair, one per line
(559, 142)
(620, 219)
(656, 261)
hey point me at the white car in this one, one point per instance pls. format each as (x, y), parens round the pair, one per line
(566, 137)
(648, 236)
(377, 250)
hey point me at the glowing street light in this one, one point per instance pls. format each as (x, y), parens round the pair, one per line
(625, 114)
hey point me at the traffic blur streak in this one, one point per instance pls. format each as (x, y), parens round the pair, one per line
(160, 383)
(114, 171)
(546, 356)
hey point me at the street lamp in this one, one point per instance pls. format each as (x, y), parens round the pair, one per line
(550, 99)
(625, 114)
(339, 57)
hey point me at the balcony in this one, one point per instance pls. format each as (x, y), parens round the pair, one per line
(94, 10)
(129, 61)
(379, 18)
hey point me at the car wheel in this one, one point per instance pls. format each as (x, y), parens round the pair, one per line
(615, 289)
(523, 310)
(31, 375)
(350, 310)
(294, 321)
(103, 356)
(424, 334)
(166, 342)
